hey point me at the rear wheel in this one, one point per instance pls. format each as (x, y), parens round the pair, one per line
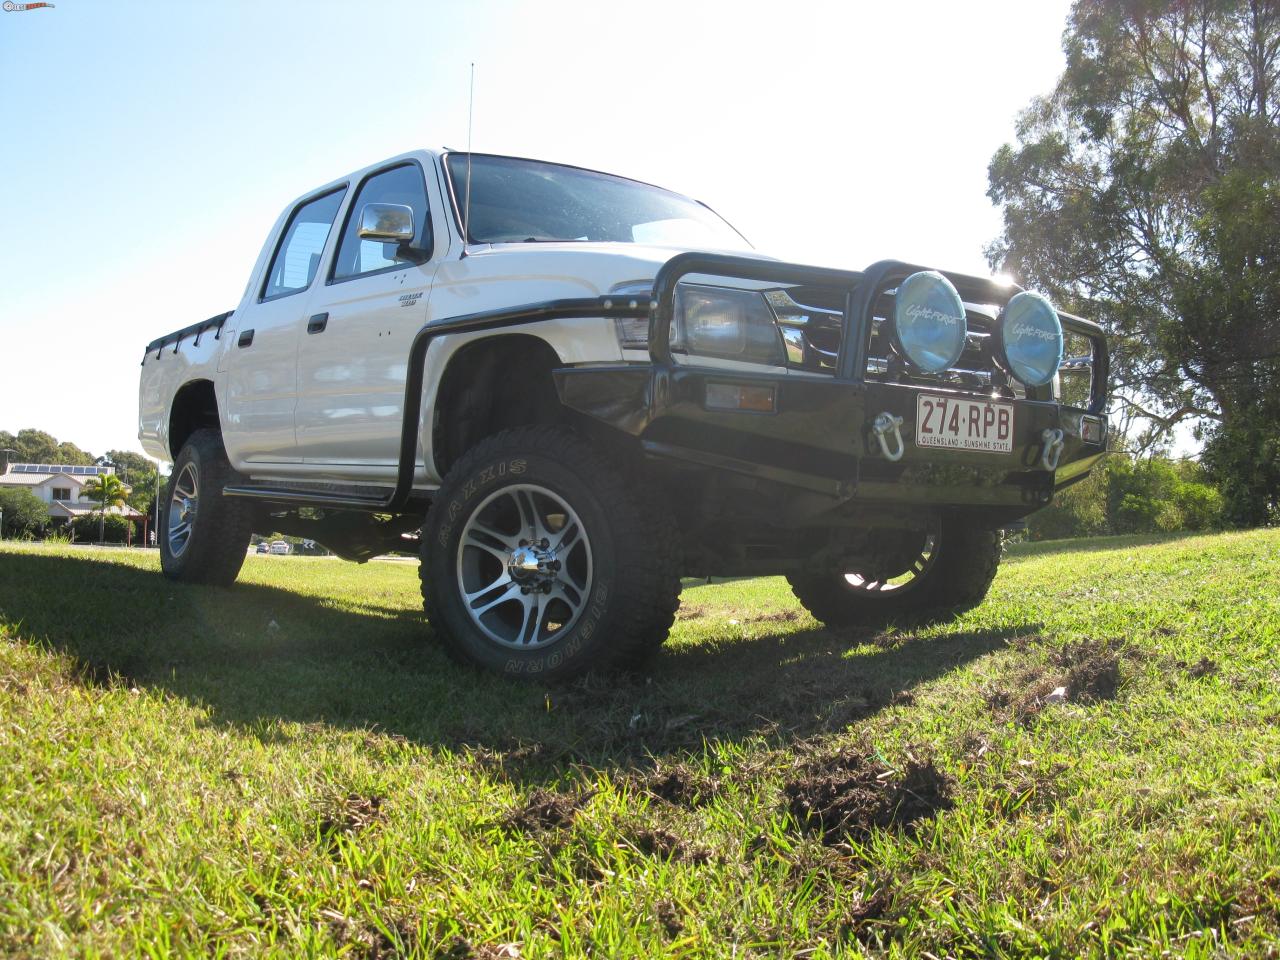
(541, 559)
(203, 535)
(945, 569)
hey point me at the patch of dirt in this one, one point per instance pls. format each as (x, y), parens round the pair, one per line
(851, 795)
(669, 918)
(665, 845)
(546, 810)
(564, 849)
(890, 639)
(587, 869)
(456, 949)
(690, 612)
(1089, 671)
(756, 846)
(1204, 667)
(1259, 899)
(1024, 703)
(513, 760)
(834, 865)
(868, 908)
(109, 805)
(1027, 789)
(1093, 671)
(680, 786)
(460, 948)
(777, 616)
(833, 873)
(1024, 642)
(351, 814)
(369, 942)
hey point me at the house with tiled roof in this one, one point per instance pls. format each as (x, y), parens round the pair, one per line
(61, 486)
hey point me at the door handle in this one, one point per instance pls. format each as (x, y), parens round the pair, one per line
(246, 338)
(317, 323)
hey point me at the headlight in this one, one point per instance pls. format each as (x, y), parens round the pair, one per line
(727, 323)
(928, 321)
(1029, 339)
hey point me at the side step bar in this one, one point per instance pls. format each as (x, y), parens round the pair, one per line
(576, 309)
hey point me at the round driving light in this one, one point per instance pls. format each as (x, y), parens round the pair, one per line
(1030, 339)
(928, 321)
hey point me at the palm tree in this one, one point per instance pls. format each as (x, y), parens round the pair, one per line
(107, 490)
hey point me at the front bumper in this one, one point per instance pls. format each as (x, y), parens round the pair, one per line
(819, 433)
(820, 437)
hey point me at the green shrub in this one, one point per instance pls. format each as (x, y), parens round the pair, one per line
(1079, 511)
(1123, 495)
(23, 511)
(115, 528)
(1202, 506)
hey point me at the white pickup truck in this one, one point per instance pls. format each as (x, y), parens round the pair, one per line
(565, 390)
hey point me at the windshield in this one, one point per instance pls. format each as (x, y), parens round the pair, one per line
(515, 201)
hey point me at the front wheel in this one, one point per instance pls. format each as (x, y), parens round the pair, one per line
(945, 569)
(203, 535)
(541, 559)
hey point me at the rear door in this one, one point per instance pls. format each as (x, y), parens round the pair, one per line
(261, 359)
(353, 354)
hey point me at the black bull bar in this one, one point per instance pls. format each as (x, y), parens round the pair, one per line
(861, 291)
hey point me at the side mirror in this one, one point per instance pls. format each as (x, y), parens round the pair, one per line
(386, 222)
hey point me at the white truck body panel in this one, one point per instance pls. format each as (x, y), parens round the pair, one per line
(329, 406)
(163, 375)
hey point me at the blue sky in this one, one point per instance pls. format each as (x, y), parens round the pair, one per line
(148, 147)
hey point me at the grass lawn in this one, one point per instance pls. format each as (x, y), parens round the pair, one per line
(291, 768)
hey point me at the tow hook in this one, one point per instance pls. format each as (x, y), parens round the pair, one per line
(1054, 444)
(883, 425)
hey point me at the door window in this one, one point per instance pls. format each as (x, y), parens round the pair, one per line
(297, 258)
(402, 185)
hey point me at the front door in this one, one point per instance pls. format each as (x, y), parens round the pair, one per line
(353, 352)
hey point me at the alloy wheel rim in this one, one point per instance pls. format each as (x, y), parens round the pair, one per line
(182, 509)
(524, 567)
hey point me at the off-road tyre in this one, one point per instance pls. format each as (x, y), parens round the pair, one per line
(215, 548)
(631, 595)
(957, 579)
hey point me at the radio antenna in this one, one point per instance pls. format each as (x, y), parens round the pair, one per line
(466, 209)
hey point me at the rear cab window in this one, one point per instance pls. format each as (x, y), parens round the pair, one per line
(297, 257)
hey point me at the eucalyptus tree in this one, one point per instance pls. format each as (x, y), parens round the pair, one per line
(1144, 191)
